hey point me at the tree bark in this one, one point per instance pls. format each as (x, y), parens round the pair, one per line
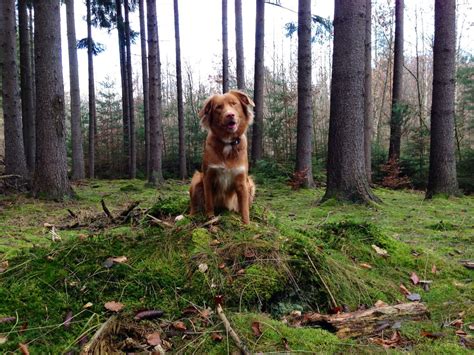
(92, 109)
(396, 118)
(368, 93)
(305, 110)
(132, 161)
(145, 85)
(154, 70)
(257, 132)
(346, 174)
(179, 86)
(78, 171)
(50, 179)
(225, 49)
(442, 176)
(27, 103)
(239, 46)
(15, 161)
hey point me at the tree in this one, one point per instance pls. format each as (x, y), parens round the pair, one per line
(26, 77)
(225, 49)
(257, 133)
(141, 9)
(78, 171)
(179, 87)
(92, 111)
(154, 67)
(305, 109)
(396, 118)
(15, 161)
(442, 175)
(50, 180)
(346, 175)
(368, 92)
(239, 45)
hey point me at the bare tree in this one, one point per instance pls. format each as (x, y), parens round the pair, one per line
(305, 109)
(225, 49)
(442, 176)
(92, 110)
(239, 45)
(368, 92)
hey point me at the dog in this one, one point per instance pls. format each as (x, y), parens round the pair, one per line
(224, 182)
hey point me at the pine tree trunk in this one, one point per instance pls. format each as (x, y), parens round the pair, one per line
(305, 110)
(15, 161)
(78, 171)
(239, 46)
(257, 133)
(368, 92)
(225, 49)
(396, 118)
(145, 85)
(154, 70)
(132, 168)
(179, 85)
(27, 104)
(92, 110)
(442, 176)
(50, 179)
(346, 174)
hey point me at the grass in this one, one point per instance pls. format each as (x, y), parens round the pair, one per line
(295, 255)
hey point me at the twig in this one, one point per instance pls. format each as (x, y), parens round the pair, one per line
(4, 177)
(322, 280)
(71, 213)
(159, 221)
(240, 344)
(211, 221)
(103, 328)
(125, 214)
(106, 210)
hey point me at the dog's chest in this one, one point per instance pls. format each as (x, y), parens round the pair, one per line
(224, 176)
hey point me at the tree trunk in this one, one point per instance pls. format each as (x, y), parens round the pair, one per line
(239, 46)
(92, 110)
(396, 118)
(442, 176)
(257, 133)
(78, 171)
(368, 93)
(15, 161)
(346, 174)
(304, 137)
(154, 70)
(225, 49)
(145, 85)
(27, 104)
(50, 179)
(179, 85)
(132, 165)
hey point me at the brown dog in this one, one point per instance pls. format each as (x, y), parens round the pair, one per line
(224, 181)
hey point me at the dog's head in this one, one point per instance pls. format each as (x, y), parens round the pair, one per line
(227, 115)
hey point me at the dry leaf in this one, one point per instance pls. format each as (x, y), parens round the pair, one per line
(221, 266)
(388, 343)
(380, 303)
(88, 305)
(203, 267)
(457, 323)
(214, 242)
(3, 266)
(216, 336)
(404, 290)
(24, 349)
(380, 251)
(471, 326)
(120, 259)
(240, 272)
(153, 339)
(67, 319)
(461, 333)
(178, 325)
(3, 339)
(114, 306)
(414, 278)
(166, 345)
(148, 314)
(365, 266)
(257, 331)
(431, 335)
(468, 264)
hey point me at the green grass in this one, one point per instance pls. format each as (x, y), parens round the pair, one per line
(295, 255)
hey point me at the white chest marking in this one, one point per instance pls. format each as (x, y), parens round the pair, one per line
(225, 176)
(227, 149)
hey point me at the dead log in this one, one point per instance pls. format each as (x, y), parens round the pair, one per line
(125, 214)
(363, 322)
(107, 211)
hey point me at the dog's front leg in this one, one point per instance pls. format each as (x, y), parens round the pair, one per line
(208, 196)
(243, 197)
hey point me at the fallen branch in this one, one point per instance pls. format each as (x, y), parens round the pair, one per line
(158, 221)
(106, 210)
(125, 214)
(364, 322)
(238, 342)
(91, 346)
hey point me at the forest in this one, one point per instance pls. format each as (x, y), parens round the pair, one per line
(361, 233)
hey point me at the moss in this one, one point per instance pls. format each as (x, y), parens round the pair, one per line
(170, 206)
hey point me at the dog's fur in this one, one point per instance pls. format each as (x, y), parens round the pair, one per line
(224, 181)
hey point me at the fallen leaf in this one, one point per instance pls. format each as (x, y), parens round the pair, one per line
(167, 345)
(7, 319)
(24, 349)
(257, 331)
(433, 269)
(461, 333)
(365, 266)
(216, 336)
(48, 225)
(468, 264)
(203, 267)
(461, 314)
(178, 325)
(221, 266)
(240, 272)
(148, 314)
(457, 323)
(388, 343)
(120, 259)
(380, 251)
(190, 310)
(67, 319)
(414, 278)
(380, 303)
(205, 313)
(114, 306)
(3, 266)
(470, 326)
(404, 290)
(214, 242)
(414, 297)
(3, 339)
(88, 305)
(431, 335)
(153, 339)
(179, 218)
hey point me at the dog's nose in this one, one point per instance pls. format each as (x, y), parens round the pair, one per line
(230, 115)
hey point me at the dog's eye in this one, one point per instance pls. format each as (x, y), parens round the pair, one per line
(233, 103)
(219, 107)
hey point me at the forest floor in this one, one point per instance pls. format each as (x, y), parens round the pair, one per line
(56, 283)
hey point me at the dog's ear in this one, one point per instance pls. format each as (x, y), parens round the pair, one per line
(246, 101)
(205, 113)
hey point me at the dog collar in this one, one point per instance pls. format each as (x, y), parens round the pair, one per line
(235, 141)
